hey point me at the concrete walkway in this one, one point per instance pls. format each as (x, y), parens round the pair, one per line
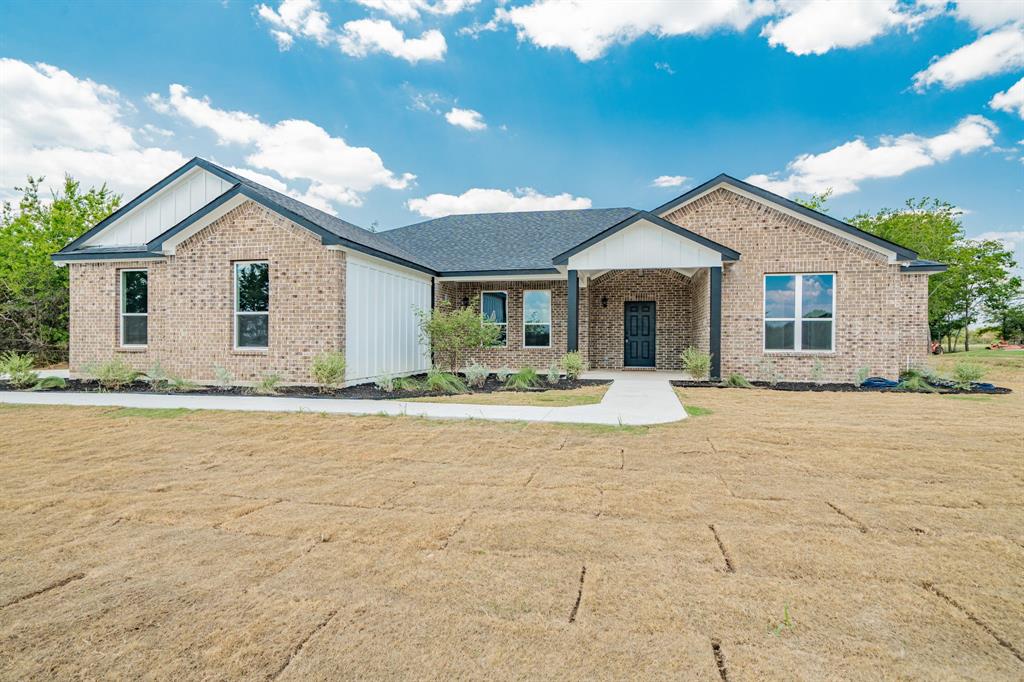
(634, 398)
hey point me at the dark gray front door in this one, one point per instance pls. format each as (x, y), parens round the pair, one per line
(639, 334)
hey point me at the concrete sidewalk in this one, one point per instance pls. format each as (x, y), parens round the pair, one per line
(634, 399)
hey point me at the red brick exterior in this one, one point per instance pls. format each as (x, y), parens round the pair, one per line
(191, 302)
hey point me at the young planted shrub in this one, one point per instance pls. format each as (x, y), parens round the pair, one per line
(767, 372)
(267, 385)
(157, 377)
(696, 362)
(18, 368)
(476, 375)
(452, 332)
(445, 382)
(554, 376)
(180, 385)
(966, 373)
(574, 365)
(113, 375)
(737, 380)
(329, 371)
(503, 373)
(817, 372)
(407, 384)
(385, 383)
(915, 382)
(523, 380)
(223, 376)
(49, 382)
(861, 375)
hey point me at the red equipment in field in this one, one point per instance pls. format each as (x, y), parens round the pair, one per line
(936, 348)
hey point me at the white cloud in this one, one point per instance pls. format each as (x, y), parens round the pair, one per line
(407, 10)
(818, 26)
(466, 118)
(985, 15)
(365, 36)
(295, 149)
(1011, 99)
(991, 54)
(669, 181)
(589, 27)
(666, 67)
(846, 166)
(297, 18)
(52, 123)
(478, 200)
(1012, 240)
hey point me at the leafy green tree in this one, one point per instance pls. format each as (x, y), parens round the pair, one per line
(978, 279)
(451, 332)
(817, 202)
(34, 291)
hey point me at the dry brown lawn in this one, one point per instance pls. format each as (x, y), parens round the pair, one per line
(586, 395)
(185, 545)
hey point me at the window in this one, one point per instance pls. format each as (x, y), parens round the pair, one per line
(134, 307)
(493, 306)
(798, 312)
(252, 305)
(537, 319)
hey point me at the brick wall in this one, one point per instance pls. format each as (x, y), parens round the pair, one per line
(191, 302)
(881, 317)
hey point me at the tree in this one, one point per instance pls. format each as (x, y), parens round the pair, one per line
(978, 279)
(816, 202)
(34, 291)
(452, 331)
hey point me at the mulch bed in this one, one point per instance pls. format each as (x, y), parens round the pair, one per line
(840, 388)
(358, 392)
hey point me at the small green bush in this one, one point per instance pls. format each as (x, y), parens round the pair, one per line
(503, 373)
(180, 385)
(574, 365)
(861, 375)
(329, 370)
(267, 385)
(476, 374)
(914, 382)
(554, 376)
(157, 377)
(737, 380)
(407, 384)
(445, 382)
(18, 368)
(223, 376)
(49, 382)
(385, 383)
(113, 375)
(966, 373)
(525, 379)
(696, 362)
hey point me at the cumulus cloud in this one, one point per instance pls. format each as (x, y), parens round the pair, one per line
(478, 200)
(469, 119)
(843, 168)
(1012, 240)
(305, 19)
(295, 150)
(408, 10)
(985, 15)
(994, 53)
(1010, 100)
(52, 123)
(818, 26)
(669, 181)
(590, 27)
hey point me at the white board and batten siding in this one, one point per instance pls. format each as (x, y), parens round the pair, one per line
(381, 327)
(163, 210)
(644, 245)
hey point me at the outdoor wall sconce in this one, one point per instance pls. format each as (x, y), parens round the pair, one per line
(465, 301)
(604, 301)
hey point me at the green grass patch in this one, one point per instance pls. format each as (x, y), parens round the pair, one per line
(150, 412)
(695, 411)
(972, 398)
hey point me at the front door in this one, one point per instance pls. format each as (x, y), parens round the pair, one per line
(639, 334)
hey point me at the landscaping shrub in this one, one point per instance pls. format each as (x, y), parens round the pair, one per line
(385, 383)
(476, 374)
(180, 384)
(157, 377)
(407, 384)
(861, 375)
(113, 374)
(267, 385)
(915, 382)
(696, 362)
(451, 332)
(738, 381)
(329, 370)
(574, 365)
(503, 373)
(445, 382)
(49, 382)
(965, 373)
(553, 374)
(767, 372)
(223, 376)
(523, 380)
(18, 368)
(817, 371)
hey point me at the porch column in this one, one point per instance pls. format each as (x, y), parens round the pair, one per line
(573, 341)
(716, 322)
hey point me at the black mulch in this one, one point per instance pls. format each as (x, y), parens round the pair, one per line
(359, 392)
(840, 388)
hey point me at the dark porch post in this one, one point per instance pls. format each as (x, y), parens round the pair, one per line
(573, 341)
(716, 322)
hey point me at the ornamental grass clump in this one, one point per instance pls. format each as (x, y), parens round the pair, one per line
(696, 362)
(407, 384)
(554, 376)
(18, 368)
(503, 373)
(574, 365)
(267, 384)
(523, 380)
(329, 371)
(476, 374)
(737, 380)
(445, 382)
(113, 375)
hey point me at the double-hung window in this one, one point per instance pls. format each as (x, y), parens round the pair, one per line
(134, 307)
(536, 319)
(799, 312)
(252, 305)
(494, 308)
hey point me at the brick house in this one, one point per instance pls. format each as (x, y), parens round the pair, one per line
(209, 270)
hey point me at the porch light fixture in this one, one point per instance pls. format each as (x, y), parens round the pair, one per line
(604, 301)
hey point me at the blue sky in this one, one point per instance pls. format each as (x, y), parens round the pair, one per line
(527, 104)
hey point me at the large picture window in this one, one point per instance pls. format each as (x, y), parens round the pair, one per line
(252, 305)
(494, 308)
(799, 312)
(134, 307)
(536, 319)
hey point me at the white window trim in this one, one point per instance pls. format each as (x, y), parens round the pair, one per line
(798, 312)
(498, 324)
(236, 312)
(121, 306)
(548, 323)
